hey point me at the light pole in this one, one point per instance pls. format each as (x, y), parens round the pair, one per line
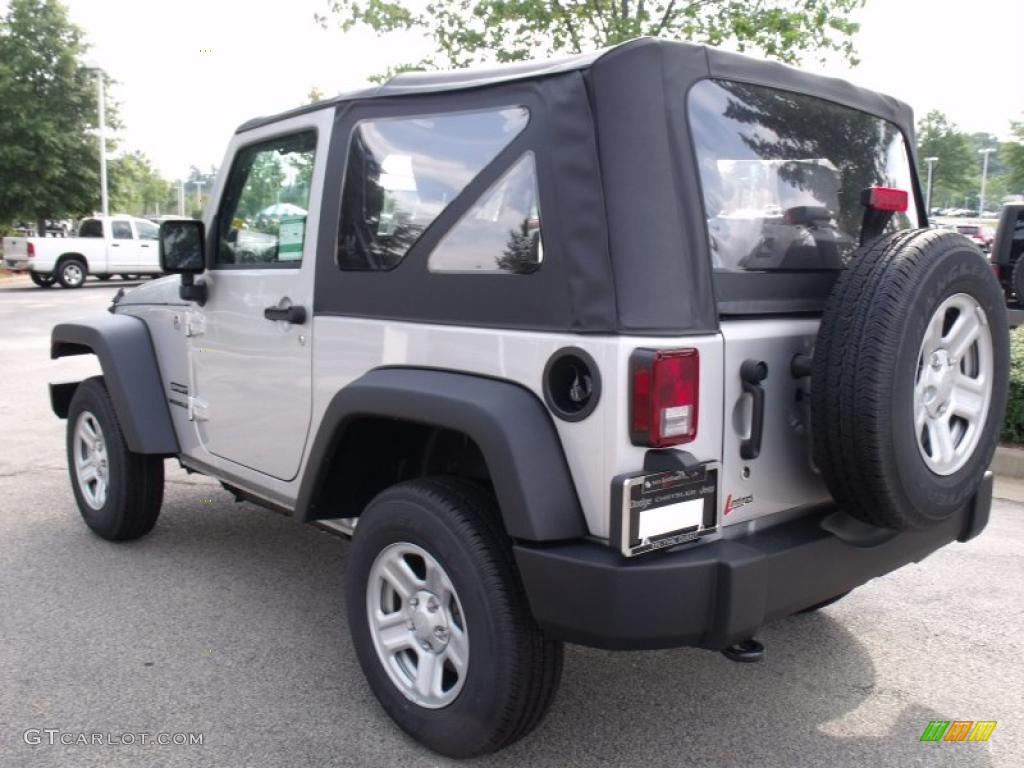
(928, 195)
(984, 177)
(181, 197)
(103, 138)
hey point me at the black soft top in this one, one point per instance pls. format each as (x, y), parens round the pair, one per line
(697, 60)
(624, 222)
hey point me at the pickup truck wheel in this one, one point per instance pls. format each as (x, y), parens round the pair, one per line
(440, 622)
(118, 492)
(71, 273)
(909, 379)
(43, 281)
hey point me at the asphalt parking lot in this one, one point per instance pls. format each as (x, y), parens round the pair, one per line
(228, 621)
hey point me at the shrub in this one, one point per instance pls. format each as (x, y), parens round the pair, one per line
(1013, 424)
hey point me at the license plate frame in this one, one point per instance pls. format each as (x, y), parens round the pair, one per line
(635, 493)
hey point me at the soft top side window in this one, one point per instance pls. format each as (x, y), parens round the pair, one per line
(501, 232)
(403, 172)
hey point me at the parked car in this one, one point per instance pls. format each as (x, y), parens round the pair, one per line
(1007, 250)
(977, 233)
(115, 245)
(636, 349)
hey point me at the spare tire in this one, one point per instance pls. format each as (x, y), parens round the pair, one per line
(909, 379)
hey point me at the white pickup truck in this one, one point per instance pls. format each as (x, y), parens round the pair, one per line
(105, 246)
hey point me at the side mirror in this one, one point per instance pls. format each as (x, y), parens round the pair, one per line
(183, 252)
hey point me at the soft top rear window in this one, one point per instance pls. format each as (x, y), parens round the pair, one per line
(782, 175)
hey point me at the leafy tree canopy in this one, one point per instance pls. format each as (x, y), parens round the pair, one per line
(467, 32)
(49, 158)
(1012, 155)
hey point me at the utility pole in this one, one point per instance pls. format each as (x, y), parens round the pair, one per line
(984, 177)
(928, 195)
(181, 197)
(104, 204)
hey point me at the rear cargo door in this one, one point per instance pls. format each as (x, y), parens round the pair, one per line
(774, 473)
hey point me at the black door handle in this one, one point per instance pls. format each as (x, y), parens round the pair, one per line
(293, 315)
(752, 373)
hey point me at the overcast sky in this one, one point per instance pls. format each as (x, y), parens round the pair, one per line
(235, 59)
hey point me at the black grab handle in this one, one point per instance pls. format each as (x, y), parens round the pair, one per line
(752, 373)
(293, 315)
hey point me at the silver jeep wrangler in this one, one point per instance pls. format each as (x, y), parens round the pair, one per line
(637, 349)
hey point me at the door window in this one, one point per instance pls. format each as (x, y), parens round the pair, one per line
(147, 230)
(262, 218)
(122, 230)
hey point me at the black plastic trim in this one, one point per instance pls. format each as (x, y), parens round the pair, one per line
(125, 351)
(508, 423)
(716, 594)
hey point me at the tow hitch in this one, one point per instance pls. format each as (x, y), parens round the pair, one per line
(745, 651)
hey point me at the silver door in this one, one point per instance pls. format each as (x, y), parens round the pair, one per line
(250, 345)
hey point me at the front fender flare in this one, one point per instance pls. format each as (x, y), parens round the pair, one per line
(125, 351)
(509, 424)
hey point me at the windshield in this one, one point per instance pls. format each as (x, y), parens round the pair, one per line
(782, 175)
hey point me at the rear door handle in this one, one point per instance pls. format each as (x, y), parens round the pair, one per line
(752, 373)
(293, 315)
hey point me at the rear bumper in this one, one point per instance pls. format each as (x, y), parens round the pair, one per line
(16, 265)
(713, 595)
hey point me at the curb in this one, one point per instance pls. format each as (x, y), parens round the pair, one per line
(1008, 461)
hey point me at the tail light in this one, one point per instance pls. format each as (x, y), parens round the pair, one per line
(664, 396)
(31, 250)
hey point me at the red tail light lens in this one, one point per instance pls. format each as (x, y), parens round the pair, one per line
(664, 396)
(886, 199)
(31, 250)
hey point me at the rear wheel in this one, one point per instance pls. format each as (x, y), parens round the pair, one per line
(440, 622)
(909, 379)
(118, 492)
(71, 273)
(43, 281)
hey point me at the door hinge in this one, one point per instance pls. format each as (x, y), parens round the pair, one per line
(195, 324)
(196, 409)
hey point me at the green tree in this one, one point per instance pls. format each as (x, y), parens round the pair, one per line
(135, 186)
(49, 158)
(1012, 155)
(956, 174)
(467, 32)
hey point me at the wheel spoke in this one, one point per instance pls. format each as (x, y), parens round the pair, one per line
(969, 403)
(963, 334)
(89, 431)
(393, 635)
(942, 440)
(88, 472)
(457, 651)
(429, 670)
(932, 337)
(400, 576)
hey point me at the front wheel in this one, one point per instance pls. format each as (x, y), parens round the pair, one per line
(43, 281)
(440, 623)
(118, 492)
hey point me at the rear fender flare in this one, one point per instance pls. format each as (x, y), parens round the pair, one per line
(509, 424)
